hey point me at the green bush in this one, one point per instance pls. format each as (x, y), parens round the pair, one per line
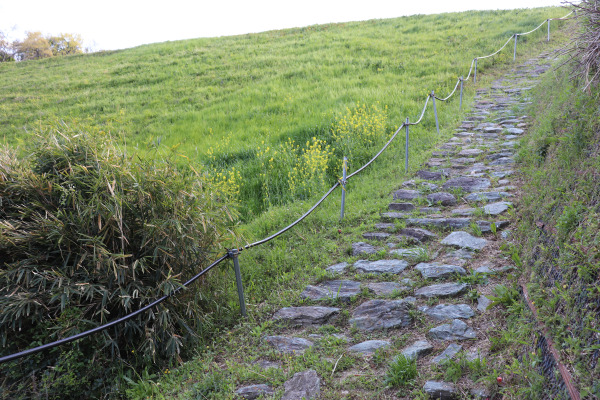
(88, 235)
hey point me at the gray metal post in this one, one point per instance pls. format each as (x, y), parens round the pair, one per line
(515, 53)
(238, 280)
(548, 29)
(475, 74)
(344, 174)
(461, 93)
(406, 151)
(437, 124)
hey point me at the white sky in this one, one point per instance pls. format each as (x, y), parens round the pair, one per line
(116, 24)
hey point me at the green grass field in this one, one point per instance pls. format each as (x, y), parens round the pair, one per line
(217, 100)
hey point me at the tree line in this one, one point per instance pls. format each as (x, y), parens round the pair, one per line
(36, 46)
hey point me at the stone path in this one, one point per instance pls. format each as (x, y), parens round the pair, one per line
(441, 236)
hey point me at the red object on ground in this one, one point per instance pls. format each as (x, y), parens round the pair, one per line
(499, 380)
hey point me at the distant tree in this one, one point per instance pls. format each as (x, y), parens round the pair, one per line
(35, 46)
(65, 44)
(5, 49)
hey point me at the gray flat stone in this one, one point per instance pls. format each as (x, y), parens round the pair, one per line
(443, 198)
(493, 129)
(484, 269)
(391, 216)
(457, 330)
(515, 131)
(369, 347)
(385, 288)
(255, 391)
(465, 212)
(503, 161)
(380, 266)
(409, 253)
(487, 196)
(442, 312)
(289, 345)
(330, 290)
(470, 152)
(386, 226)
(422, 235)
(437, 270)
(417, 350)
(430, 175)
(406, 194)
(337, 268)
(483, 303)
(497, 208)
(440, 390)
(464, 240)
(447, 354)
(303, 386)
(467, 184)
(265, 364)
(442, 290)
(501, 174)
(382, 314)
(401, 206)
(379, 236)
(307, 315)
(453, 223)
(361, 248)
(461, 254)
(486, 226)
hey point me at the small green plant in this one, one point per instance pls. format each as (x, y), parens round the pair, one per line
(401, 372)
(476, 230)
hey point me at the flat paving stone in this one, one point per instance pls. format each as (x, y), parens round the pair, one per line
(289, 345)
(331, 290)
(440, 390)
(486, 226)
(457, 330)
(503, 161)
(470, 152)
(515, 131)
(409, 253)
(252, 392)
(303, 386)
(422, 235)
(483, 303)
(362, 248)
(467, 184)
(464, 240)
(437, 270)
(417, 350)
(487, 196)
(443, 198)
(382, 314)
(386, 226)
(452, 223)
(339, 268)
(392, 216)
(379, 236)
(442, 312)
(406, 194)
(380, 266)
(430, 175)
(385, 288)
(306, 315)
(369, 347)
(442, 290)
(447, 354)
(497, 208)
(401, 206)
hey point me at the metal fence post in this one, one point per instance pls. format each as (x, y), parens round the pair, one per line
(515, 52)
(461, 94)
(475, 74)
(406, 150)
(233, 253)
(548, 29)
(437, 124)
(344, 174)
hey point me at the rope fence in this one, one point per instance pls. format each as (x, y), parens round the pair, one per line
(234, 253)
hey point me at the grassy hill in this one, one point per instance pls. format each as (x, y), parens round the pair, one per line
(256, 87)
(223, 101)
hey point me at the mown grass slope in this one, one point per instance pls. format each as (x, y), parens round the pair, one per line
(258, 86)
